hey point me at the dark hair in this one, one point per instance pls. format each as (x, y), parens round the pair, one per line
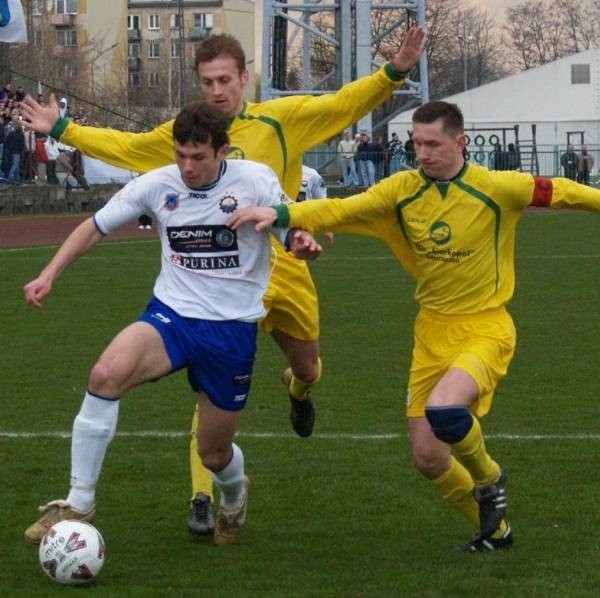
(217, 45)
(451, 115)
(203, 123)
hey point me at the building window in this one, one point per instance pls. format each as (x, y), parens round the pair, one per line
(133, 22)
(153, 22)
(133, 50)
(66, 7)
(37, 8)
(175, 53)
(66, 37)
(153, 79)
(204, 20)
(37, 39)
(134, 79)
(580, 74)
(153, 50)
(174, 21)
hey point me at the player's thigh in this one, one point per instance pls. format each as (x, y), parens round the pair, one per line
(137, 354)
(291, 299)
(481, 346)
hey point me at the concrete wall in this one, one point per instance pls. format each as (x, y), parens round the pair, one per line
(49, 199)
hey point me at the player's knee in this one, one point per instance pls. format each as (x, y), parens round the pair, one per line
(449, 424)
(213, 458)
(308, 370)
(104, 380)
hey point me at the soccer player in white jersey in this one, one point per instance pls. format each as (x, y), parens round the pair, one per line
(203, 315)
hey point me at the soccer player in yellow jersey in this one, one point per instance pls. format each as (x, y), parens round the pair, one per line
(276, 133)
(452, 225)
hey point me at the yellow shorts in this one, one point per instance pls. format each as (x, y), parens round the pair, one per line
(482, 345)
(291, 299)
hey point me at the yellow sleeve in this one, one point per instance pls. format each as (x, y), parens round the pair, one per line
(310, 120)
(135, 151)
(575, 196)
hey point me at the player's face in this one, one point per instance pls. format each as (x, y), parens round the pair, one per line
(199, 163)
(438, 152)
(222, 84)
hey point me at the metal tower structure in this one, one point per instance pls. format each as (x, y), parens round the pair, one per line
(285, 21)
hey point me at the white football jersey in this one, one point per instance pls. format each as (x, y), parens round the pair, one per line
(312, 185)
(208, 271)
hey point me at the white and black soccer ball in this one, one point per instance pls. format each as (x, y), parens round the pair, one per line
(72, 552)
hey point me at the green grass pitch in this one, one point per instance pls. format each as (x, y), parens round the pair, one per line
(343, 513)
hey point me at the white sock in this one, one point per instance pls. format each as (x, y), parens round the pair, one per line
(93, 429)
(230, 480)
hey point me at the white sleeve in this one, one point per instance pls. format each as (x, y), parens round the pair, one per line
(125, 205)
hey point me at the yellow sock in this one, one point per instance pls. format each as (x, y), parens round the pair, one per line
(456, 486)
(299, 389)
(472, 453)
(201, 477)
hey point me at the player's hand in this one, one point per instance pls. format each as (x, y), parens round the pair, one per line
(329, 237)
(36, 290)
(264, 218)
(37, 117)
(303, 245)
(407, 55)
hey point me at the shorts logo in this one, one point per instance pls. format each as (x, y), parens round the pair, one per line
(228, 203)
(171, 201)
(440, 232)
(239, 398)
(242, 379)
(163, 319)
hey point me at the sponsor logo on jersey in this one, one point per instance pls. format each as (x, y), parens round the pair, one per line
(440, 232)
(202, 238)
(171, 201)
(228, 203)
(223, 262)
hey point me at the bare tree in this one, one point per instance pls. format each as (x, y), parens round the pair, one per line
(546, 30)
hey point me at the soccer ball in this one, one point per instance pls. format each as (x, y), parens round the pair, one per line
(72, 552)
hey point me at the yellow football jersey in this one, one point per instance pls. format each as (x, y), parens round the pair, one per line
(456, 237)
(276, 132)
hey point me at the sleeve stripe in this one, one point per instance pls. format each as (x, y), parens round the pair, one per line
(542, 192)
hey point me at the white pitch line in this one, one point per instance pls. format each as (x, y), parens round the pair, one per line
(281, 436)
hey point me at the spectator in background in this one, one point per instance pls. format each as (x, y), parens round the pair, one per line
(14, 147)
(365, 160)
(570, 163)
(396, 153)
(346, 149)
(513, 158)
(357, 141)
(379, 158)
(2, 133)
(586, 163)
(20, 94)
(409, 150)
(497, 158)
(63, 108)
(52, 152)
(7, 92)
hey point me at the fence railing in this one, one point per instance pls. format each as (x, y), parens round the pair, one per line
(542, 160)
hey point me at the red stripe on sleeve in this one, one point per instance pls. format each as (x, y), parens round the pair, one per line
(542, 192)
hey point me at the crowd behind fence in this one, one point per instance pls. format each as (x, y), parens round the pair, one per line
(540, 160)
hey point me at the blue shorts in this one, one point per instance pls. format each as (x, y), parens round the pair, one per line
(219, 355)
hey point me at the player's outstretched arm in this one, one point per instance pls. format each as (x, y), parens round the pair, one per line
(83, 238)
(264, 218)
(407, 55)
(303, 245)
(37, 117)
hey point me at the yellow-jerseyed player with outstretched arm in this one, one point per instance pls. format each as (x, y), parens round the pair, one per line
(452, 225)
(276, 133)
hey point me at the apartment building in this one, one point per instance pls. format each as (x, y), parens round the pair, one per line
(128, 52)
